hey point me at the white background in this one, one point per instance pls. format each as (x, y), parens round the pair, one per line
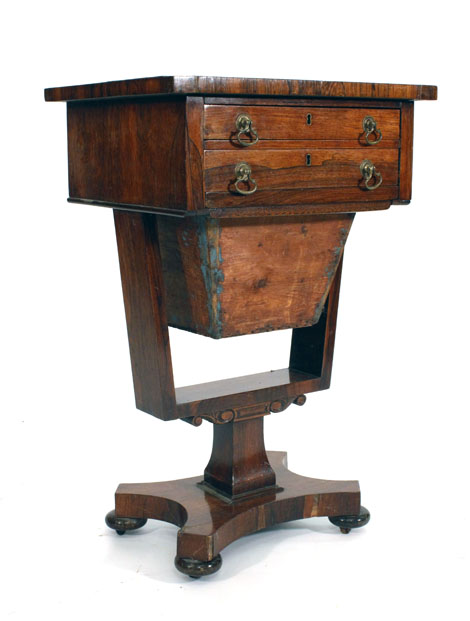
(395, 416)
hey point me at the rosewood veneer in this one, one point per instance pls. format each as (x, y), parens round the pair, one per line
(233, 199)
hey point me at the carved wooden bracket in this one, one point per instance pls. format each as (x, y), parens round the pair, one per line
(236, 415)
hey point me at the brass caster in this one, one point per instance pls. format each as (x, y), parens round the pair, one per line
(347, 522)
(122, 524)
(196, 569)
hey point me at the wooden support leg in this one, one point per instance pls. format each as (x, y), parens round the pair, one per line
(239, 464)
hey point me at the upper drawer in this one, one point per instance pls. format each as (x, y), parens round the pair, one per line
(300, 123)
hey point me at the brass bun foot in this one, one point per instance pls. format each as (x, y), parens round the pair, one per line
(347, 522)
(123, 524)
(196, 569)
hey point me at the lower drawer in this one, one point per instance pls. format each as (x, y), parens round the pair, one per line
(298, 176)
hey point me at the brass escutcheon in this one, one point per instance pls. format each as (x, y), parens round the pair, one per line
(243, 175)
(369, 125)
(369, 172)
(244, 125)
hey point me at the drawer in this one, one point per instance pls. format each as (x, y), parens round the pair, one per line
(300, 123)
(299, 169)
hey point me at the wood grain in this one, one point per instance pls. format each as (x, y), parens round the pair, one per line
(194, 153)
(208, 524)
(144, 301)
(231, 145)
(242, 276)
(128, 152)
(252, 396)
(290, 123)
(303, 196)
(238, 464)
(299, 101)
(205, 85)
(277, 272)
(406, 151)
(226, 264)
(258, 391)
(183, 247)
(246, 211)
(287, 168)
(321, 209)
(312, 347)
(115, 143)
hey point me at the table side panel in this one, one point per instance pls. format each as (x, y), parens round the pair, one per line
(128, 152)
(406, 151)
(194, 156)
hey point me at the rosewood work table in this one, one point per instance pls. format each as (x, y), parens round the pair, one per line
(233, 199)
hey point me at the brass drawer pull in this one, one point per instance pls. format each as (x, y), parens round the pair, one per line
(243, 175)
(369, 172)
(369, 125)
(244, 125)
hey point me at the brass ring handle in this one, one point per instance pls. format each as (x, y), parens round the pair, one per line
(369, 125)
(243, 175)
(369, 172)
(244, 125)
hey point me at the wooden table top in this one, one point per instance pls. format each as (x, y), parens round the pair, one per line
(204, 85)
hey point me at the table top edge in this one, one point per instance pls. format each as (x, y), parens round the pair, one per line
(206, 85)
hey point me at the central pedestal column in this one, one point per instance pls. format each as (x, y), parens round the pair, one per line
(239, 465)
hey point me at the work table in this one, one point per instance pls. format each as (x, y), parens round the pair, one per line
(233, 199)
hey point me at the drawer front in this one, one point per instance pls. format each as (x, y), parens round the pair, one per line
(298, 168)
(299, 123)
(299, 176)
